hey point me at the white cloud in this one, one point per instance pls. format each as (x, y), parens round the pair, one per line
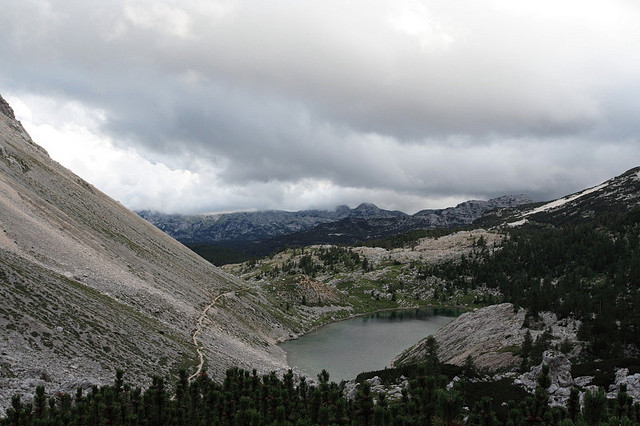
(234, 104)
(415, 20)
(124, 174)
(164, 19)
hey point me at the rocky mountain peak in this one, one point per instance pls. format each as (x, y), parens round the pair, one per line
(365, 209)
(6, 109)
(367, 206)
(509, 201)
(370, 210)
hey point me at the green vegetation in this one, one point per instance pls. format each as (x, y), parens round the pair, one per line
(590, 272)
(220, 254)
(408, 239)
(338, 276)
(246, 398)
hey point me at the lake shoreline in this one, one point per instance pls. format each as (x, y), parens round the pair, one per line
(368, 340)
(462, 310)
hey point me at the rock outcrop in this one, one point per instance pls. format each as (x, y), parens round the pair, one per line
(631, 381)
(562, 380)
(559, 372)
(6, 109)
(491, 336)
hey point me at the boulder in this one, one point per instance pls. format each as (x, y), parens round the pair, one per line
(559, 372)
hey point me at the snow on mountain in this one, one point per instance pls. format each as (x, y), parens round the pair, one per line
(565, 200)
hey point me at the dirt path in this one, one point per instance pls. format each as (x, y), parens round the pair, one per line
(198, 331)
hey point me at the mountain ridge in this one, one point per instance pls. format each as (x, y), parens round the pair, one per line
(618, 194)
(280, 227)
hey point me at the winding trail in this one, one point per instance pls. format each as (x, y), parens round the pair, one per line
(198, 331)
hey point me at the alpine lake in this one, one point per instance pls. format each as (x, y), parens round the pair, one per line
(364, 343)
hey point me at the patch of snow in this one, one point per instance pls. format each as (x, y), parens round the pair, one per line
(565, 200)
(517, 223)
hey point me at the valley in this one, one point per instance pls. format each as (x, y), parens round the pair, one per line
(89, 288)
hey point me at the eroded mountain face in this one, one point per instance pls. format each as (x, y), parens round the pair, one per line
(87, 286)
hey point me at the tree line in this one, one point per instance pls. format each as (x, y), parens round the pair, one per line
(246, 398)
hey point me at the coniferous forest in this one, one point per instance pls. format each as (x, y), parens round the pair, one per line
(589, 271)
(246, 398)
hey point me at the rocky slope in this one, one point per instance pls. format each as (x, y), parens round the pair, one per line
(616, 195)
(483, 334)
(87, 286)
(492, 336)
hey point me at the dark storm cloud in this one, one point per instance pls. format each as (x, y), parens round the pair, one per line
(416, 100)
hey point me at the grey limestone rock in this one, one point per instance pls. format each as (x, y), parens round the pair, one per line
(559, 372)
(483, 334)
(632, 382)
(6, 109)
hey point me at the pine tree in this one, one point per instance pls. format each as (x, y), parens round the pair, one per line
(40, 403)
(573, 405)
(544, 379)
(595, 406)
(364, 403)
(527, 345)
(448, 407)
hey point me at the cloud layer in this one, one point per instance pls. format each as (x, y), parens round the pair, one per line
(198, 105)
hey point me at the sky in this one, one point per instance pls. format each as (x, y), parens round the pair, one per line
(196, 106)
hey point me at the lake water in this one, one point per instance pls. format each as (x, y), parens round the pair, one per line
(347, 348)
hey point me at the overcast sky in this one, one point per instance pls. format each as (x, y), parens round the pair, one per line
(205, 106)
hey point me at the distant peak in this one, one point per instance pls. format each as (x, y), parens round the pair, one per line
(6, 109)
(510, 200)
(367, 206)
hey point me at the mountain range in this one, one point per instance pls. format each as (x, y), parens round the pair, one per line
(262, 232)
